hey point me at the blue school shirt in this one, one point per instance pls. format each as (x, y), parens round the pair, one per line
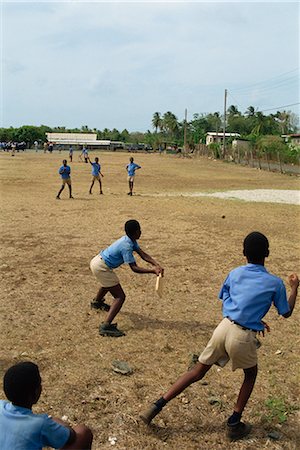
(21, 429)
(96, 169)
(131, 168)
(65, 172)
(120, 252)
(248, 293)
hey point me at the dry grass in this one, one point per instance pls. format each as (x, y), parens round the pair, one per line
(47, 287)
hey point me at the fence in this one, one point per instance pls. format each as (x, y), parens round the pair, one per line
(248, 157)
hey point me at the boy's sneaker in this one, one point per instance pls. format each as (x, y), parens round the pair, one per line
(238, 431)
(110, 329)
(151, 412)
(100, 305)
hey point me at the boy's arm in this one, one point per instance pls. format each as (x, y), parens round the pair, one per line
(148, 259)
(294, 283)
(135, 268)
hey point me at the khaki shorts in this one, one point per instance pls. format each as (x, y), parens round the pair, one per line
(131, 178)
(231, 342)
(66, 181)
(96, 177)
(106, 276)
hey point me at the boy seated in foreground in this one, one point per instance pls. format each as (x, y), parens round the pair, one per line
(21, 429)
(247, 294)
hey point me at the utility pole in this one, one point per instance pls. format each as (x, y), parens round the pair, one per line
(224, 124)
(184, 139)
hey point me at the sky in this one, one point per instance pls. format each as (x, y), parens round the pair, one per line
(113, 64)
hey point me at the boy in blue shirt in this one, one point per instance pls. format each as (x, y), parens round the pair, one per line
(247, 294)
(21, 429)
(131, 168)
(65, 172)
(96, 173)
(102, 265)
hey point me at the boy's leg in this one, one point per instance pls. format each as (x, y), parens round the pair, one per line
(237, 429)
(70, 190)
(83, 439)
(119, 298)
(107, 328)
(100, 184)
(98, 302)
(91, 186)
(60, 191)
(246, 389)
(130, 188)
(190, 377)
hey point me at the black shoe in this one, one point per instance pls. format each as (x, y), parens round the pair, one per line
(151, 412)
(110, 329)
(100, 305)
(239, 431)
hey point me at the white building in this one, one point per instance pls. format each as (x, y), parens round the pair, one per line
(213, 137)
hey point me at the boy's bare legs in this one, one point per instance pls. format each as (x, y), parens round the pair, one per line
(83, 440)
(119, 298)
(246, 389)
(108, 328)
(60, 191)
(130, 187)
(190, 377)
(70, 190)
(100, 186)
(100, 295)
(90, 191)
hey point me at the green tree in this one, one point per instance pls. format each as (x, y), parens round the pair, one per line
(157, 121)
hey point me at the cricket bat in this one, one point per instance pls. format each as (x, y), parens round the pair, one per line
(159, 285)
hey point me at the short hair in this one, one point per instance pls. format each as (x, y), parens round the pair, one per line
(65, 161)
(131, 159)
(96, 159)
(256, 246)
(20, 381)
(131, 226)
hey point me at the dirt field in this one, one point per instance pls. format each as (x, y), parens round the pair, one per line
(47, 287)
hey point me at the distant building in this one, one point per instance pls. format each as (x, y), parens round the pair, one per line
(240, 144)
(88, 140)
(293, 139)
(217, 138)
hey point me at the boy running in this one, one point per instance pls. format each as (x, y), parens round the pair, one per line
(65, 172)
(247, 295)
(20, 428)
(131, 168)
(96, 173)
(102, 265)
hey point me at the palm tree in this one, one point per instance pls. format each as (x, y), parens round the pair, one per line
(157, 121)
(170, 123)
(250, 111)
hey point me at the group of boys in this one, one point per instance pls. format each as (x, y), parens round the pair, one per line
(65, 173)
(247, 294)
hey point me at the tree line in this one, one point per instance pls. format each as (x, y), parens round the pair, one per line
(252, 125)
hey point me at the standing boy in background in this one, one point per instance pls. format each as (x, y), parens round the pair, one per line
(21, 429)
(65, 172)
(102, 265)
(96, 173)
(131, 168)
(247, 295)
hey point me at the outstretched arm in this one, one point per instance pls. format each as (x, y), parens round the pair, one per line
(150, 260)
(135, 268)
(294, 283)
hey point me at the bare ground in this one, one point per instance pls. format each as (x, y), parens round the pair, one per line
(46, 290)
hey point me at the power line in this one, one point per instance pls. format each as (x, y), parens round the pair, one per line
(268, 80)
(280, 107)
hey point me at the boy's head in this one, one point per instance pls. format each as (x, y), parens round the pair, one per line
(256, 247)
(133, 229)
(131, 159)
(96, 159)
(22, 384)
(64, 162)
